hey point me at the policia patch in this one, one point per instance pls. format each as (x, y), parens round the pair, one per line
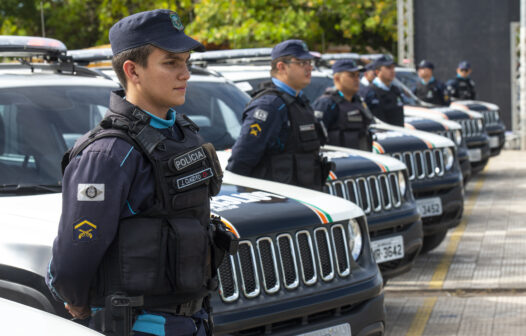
(187, 159)
(84, 231)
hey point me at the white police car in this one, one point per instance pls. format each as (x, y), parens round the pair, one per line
(302, 253)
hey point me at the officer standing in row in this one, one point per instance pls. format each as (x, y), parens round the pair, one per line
(343, 111)
(429, 89)
(384, 99)
(133, 237)
(280, 138)
(368, 76)
(462, 86)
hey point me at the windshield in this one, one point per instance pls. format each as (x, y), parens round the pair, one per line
(217, 108)
(409, 78)
(408, 96)
(37, 125)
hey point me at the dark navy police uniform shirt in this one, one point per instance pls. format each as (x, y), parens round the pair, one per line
(265, 128)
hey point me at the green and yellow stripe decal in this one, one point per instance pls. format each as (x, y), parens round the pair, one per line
(324, 217)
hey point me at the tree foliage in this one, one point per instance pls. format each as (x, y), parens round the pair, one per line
(364, 25)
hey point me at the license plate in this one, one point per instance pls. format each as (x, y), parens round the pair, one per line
(429, 207)
(475, 155)
(337, 330)
(388, 249)
(494, 142)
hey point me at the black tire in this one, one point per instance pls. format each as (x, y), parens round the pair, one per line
(432, 241)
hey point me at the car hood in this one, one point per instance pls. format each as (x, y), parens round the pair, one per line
(429, 122)
(474, 105)
(393, 139)
(352, 162)
(449, 113)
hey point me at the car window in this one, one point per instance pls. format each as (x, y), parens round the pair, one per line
(409, 78)
(217, 108)
(38, 124)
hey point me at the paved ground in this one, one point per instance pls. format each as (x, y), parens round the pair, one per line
(474, 283)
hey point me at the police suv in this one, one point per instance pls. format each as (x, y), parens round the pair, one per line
(438, 193)
(304, 261)
(473, 126)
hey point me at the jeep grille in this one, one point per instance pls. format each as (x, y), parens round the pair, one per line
(270, 264)
(373, 194)
(422, 164)
(491, 117)
(470, 127)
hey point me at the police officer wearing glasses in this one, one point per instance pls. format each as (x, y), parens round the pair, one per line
(462, 86)
(430, 89)
(343, 111)
(280, 138)
(135, 240)
(384, 99)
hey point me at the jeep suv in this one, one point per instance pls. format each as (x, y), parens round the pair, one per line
(304, 262)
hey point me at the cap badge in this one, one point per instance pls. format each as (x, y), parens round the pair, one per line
(304, 46)
(176, 21)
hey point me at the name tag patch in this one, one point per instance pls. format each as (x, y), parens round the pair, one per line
(194, 178)
(261, 115)
(189, 158)
(91, 192)
(306, 128)
(354, 116)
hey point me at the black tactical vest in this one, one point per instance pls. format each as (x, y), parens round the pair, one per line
(352, 127)
(465, 88)
(430, 93)
(299, 163)
(391, 108)
(164, 253)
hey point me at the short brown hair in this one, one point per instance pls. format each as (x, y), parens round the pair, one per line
(138, 55)
(274, 64)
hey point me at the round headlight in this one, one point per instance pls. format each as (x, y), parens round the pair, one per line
(401, 183)
(355, 239)
(458, 137)
(480, 125)
(449, 158)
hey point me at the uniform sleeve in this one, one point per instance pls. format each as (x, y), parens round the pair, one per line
(442, 90)
(451, 88)
(264, 119)
(326, 110)
(95, 189)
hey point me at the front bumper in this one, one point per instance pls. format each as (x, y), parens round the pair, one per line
(361, 305)
(451, 193)
(479, 152)
(405, 223)
(496, 134)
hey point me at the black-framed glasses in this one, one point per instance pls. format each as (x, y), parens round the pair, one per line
(302, 63)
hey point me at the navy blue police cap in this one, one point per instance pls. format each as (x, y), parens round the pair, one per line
(369, 66)
(383, 61)
(295, 48)
(425, 64)
(464, 65)
(160, 27)
(346, 65)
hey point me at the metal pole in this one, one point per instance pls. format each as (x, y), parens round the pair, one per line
(42, 19)
(522, 73)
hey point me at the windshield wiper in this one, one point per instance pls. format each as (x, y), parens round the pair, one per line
(30, 188)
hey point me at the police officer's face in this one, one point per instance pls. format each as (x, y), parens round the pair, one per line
(298, 73)
(348, 82)
(386, 73)
(425, 73)
(464, 73)
(163, 81)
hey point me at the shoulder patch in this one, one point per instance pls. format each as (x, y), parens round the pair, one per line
(84, 231)
(260, 114)
(93, 192)
(255, 129)
(318, 114)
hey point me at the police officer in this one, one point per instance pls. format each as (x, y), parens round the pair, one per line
(280, 138)
(462, 86)
(384, 99)
(368, 76)
(429, 89)
(134, 232)
(343, 111)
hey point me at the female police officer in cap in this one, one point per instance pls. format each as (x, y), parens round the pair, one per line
(132, 229)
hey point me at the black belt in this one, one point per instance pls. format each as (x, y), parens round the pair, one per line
(185, 309)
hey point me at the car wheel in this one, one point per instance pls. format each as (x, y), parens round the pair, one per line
(432, 241)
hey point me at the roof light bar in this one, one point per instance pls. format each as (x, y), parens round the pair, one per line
(20, 46)
(217, 55)
(91, 55)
